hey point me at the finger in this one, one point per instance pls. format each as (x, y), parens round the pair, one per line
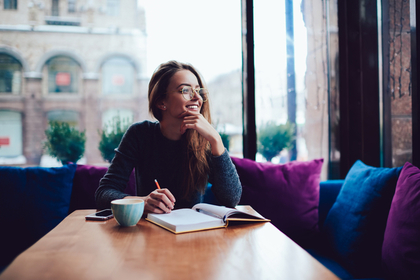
(162, 206)
(185, 113)
(192, 116)
(162, 198)
(151, 208)
(168, 194)
(158, 202)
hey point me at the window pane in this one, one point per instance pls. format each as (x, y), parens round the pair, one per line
(113, 7)
(55, 8)
(10, 74)
(109, 116)
(10, 4)
(70, 117)
(10, 134)
(292, 80)
(71, 6)
(117, 77)
(209, 38)
(399, 94)
(62, 75)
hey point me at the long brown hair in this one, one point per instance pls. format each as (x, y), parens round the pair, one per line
(196, 166)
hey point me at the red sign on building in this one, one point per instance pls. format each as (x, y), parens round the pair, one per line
(118, 80)
(4, 141)
(62, 79)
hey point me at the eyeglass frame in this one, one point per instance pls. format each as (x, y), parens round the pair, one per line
(194, 92)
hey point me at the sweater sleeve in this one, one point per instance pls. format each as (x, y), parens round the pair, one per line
(224, 178)
(113, 184)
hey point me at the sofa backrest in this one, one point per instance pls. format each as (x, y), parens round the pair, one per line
(86, 181)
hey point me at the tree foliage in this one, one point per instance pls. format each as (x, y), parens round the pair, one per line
(111, 136)
(64, 142)
(273, 138)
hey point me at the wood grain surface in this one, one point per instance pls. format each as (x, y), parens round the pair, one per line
(79, 249)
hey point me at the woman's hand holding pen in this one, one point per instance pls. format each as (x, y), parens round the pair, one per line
(197, 122)
(159, 201)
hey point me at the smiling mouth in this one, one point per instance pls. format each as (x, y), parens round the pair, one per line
(192, 107)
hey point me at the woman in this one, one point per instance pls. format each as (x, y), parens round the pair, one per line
(182, 151)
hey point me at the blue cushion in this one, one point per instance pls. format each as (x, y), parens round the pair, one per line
(33, 201)
(328, 192)
(355, 225)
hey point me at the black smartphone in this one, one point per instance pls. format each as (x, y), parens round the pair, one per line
(100, 215)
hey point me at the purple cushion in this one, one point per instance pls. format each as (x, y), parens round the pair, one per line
(86, 181)
(288, 194)
(401, 246)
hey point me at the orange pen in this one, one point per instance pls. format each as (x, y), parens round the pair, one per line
(157, 184)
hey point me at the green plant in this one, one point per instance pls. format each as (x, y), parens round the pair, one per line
(273, 138)
(225, 137)
(64, 142)
(111, 136)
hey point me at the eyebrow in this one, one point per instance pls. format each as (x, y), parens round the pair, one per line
(189, 85)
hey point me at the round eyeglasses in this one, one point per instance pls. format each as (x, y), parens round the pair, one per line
(188, 93)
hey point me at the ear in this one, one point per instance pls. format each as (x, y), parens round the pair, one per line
(161, 105)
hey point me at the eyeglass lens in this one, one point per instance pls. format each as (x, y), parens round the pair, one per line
(188, 93)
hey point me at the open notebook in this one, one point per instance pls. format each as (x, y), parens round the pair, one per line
(204, 216)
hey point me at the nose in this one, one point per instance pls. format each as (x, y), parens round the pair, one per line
(195, 94)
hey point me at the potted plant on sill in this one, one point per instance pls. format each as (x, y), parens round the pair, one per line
(273, 138)
(111, 136)
(64, 142)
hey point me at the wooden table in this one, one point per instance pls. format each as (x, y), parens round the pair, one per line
(79, 249)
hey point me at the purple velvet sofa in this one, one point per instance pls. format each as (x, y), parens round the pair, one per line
(365, 226)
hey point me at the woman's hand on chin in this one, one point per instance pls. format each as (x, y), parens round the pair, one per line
(197, 122)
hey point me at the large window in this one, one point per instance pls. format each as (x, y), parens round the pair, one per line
(63, 75)
(117, 76)
(10, 74)
(105, 64)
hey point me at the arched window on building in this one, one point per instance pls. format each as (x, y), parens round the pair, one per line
(63, 75)
(10, 74)
(10, 136)
(70, 117)
(117, 76)
(109, 117)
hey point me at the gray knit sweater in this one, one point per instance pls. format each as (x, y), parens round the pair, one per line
(153, 156)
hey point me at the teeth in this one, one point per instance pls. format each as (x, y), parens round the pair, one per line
(193, 106)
